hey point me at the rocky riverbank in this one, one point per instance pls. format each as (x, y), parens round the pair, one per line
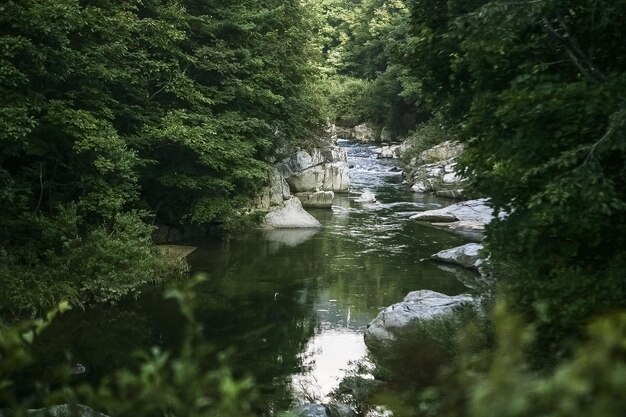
(306, 179)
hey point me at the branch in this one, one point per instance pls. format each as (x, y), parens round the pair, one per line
(574, 43)
(41, 188)
(569, 51)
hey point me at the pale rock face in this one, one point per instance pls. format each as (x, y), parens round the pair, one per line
(322, 169)
(279, 189)
(318, 199)
(385, 135)
(363, 133)
(450, 178)
(467, 256)
(420, 187)
(400, 318)
(290, 216)
(338, 132)
(328, 177)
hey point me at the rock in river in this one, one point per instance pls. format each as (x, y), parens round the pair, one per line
(401, 317)
(321, 169)
(290, 215)
(366, 197)
(467, 217)
(467, 256)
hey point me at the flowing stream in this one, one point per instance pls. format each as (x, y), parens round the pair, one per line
(289, 306)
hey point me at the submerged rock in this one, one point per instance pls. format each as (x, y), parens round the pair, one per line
(290, 215)
(467, 256)
(416, 306)
(324, 410)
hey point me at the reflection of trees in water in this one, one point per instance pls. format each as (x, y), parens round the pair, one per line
(101, 338)
(259, 301)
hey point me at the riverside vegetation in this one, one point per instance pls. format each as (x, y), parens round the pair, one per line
(117, 116)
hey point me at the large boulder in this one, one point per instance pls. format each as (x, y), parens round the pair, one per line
(321, 169)
(434, 171)
(467, 256)
(273, 194)
(290, 215)
(468, 217)
(441, 152)
(401, 318)
(324, 410)
(326, 177)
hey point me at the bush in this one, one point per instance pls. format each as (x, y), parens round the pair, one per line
(55, 261)
(591, 383)
(186, 384)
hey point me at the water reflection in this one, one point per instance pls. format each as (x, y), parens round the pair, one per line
(289, 237)
(289, 305)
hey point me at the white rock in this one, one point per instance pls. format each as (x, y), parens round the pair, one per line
(366, 197)
(318, 199)
(468, 217)
(471, 210)
(467, 256)
(322, 169)
(417, 305)
(363, 133)
(290, 215)
(451, 178)
(420, 187)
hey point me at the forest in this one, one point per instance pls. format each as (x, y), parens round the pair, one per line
(117, 117)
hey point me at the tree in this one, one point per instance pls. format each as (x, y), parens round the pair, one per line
(539, 104)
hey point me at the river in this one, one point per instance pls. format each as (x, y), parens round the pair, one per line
(289, 306)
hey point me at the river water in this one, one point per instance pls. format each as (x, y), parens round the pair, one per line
(289, 306)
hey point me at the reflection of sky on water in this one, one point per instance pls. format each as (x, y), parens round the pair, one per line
(327, 357)
(338, 340)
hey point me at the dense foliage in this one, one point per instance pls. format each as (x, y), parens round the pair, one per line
(536, 91)
(363, 43)
(116, 115)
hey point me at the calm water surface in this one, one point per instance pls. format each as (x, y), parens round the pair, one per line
(289, 305)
